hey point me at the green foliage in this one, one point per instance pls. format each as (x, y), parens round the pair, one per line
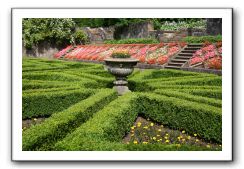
(211, 92)
(109, 124)
(202, 39)
(132, 41)
(189, 97)
(53, 30)
(180, 114)
(80, 37)
(85, 116)
(43, 104)
(41, 137)
(120, 22)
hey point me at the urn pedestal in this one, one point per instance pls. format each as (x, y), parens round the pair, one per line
(121, 68)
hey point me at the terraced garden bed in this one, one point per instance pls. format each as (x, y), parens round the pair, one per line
(71, 106)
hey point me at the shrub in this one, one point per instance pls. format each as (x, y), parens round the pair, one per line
(43, 104)
(132, 41)
(193, 117)
(202, 39)
(189, 97)
(109, 124)
(211, 92)
(80, 37)
(41, 137)
(53, 30)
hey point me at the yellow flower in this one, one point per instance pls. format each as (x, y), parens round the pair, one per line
(197, 140)
(132, 131)
(178, 138)
(132, 134)
(35, 119)
(162, 126)
(183, 139)
(154, 138)
(181, 136)
(166, 134)
(135, 142)
(138, 124)
(145, 127)
(144, 142)
(133, 128)
(159, 130)
(166, 141)
(195, 134)
(144, 133)
(151, 124)
(208, 146)
(189, 137)
(183, 131)
(166, 137)
(158, 135)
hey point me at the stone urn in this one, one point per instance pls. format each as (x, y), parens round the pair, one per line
(121, 68)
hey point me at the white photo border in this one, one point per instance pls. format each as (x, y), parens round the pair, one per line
(19, 13)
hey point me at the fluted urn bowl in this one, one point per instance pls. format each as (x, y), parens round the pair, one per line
(121, 68)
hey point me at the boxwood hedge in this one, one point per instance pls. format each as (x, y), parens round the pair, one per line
(109, 124)
(205, 120)
(42, 136)
(43, 104)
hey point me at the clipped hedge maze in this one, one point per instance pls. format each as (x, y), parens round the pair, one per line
(83, 113)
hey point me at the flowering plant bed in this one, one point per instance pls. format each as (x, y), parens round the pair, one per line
(210, 56)
(81, 111)
(145, 53)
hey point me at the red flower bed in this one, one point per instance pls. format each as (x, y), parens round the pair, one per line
(146, 53)
(63, 51)
(210, 55)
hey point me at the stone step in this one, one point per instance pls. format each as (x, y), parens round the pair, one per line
(172, 67)
(183, 57)
(194, 45)
(185, 54)
(179, 60)
(192, 48)
(175, 64)
(188, 51)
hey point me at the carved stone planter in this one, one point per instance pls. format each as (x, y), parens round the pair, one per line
(121, 68)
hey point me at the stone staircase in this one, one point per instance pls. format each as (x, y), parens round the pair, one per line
(181, 58)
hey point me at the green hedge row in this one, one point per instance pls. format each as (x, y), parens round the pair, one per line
(50, 76)
(211, 93)
(202, 39)
(193, 117)
(40, 84)
(154, 74)
(179, 80)
(42, 136)
(51, 89)
(43, 104)
(189, 97)
(109, 124)
(212, 81)
(186, 87)
(133, 41)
